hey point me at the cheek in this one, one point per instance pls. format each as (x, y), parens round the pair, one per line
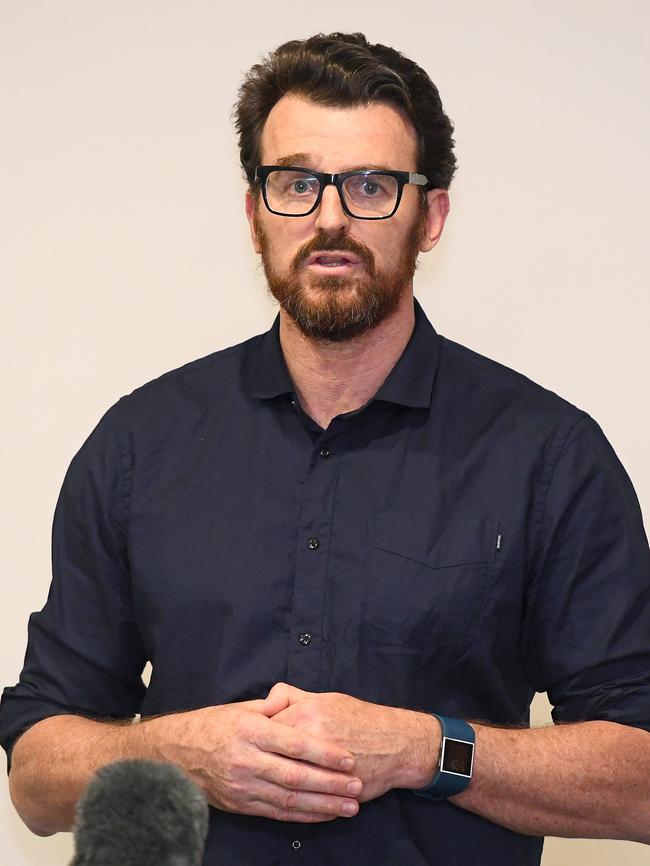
(285, 239)
(383, 244)
(397, 237)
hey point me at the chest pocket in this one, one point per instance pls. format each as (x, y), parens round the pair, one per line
(429, 577)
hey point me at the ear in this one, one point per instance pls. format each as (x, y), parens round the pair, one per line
(438, 208)
(251, 204)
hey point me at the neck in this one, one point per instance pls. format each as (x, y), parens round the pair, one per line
(332, 378)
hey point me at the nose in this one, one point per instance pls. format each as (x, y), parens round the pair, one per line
(330, 215)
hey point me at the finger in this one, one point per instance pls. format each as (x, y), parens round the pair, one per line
(299, 776)
(287, 801)
(258, 705)
(286, 716)
(266, 811)
(302, 817)
(263, 809)
(284, 740)
(261, 705)
(283, 695)
(276, 701)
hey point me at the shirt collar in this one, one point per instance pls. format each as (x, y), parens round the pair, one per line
(409, 383)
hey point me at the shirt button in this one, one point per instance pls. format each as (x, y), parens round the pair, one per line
(325, 452)
(304, 638)
(313, 543)
(296, 844)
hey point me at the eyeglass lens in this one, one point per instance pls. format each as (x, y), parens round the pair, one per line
(294, 193)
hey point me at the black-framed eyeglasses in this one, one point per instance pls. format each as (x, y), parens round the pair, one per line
(369, 194)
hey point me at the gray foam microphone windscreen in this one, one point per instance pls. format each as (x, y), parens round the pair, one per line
(140, 813)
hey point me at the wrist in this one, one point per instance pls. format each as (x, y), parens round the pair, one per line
(423, 751)
(163, 738)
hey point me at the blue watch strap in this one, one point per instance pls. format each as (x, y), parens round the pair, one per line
(456, 760)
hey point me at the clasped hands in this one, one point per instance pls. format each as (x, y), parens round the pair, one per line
(307, 757)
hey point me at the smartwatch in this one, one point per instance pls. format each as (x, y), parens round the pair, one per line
(455, 762)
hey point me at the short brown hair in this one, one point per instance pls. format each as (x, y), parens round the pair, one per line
(344, 69)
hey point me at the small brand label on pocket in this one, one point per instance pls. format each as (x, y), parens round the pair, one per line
(499, 541)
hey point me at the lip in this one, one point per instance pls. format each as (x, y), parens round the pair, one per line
(331, 270)
(349, 260)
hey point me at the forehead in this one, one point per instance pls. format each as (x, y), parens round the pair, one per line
(336, 139)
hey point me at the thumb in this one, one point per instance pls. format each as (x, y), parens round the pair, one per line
(281, 696)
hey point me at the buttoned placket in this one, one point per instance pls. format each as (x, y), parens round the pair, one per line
(313, 536)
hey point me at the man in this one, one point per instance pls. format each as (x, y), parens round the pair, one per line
(347, 542)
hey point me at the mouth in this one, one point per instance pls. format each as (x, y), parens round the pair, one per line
(331, 261)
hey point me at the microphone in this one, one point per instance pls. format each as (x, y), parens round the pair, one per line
(140, 813)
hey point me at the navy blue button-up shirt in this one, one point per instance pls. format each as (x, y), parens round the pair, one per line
(463, 540)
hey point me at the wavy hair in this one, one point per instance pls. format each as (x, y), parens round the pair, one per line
(345, 70)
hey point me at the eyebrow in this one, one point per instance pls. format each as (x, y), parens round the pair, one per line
(302, 160)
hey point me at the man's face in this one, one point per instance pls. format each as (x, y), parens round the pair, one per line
(364, 266)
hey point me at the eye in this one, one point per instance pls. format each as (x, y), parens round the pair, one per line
(300, 186)
(370, 188)
(365, 187)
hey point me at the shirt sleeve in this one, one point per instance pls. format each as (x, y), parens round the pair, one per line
(587, 635)
(84, 653)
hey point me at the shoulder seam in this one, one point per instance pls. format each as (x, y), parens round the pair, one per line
(556, 450)
(197, 364)
(126, 467)
(519, 381)
(548, 473)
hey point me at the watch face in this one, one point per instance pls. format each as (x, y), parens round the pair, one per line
(457, 757)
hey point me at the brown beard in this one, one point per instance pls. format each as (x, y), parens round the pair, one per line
(339, 313)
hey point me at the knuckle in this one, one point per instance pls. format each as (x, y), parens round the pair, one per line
(238, 764)
(289, 800)
(290, 779)
(236, 788)
(299, 745)
(332, 807)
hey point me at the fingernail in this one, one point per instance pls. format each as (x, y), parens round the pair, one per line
(349, 808)
(347, 763)
(353, 788)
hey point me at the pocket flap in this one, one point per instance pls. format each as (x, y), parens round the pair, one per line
(438, 540)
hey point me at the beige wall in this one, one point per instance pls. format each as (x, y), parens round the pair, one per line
(124, 250)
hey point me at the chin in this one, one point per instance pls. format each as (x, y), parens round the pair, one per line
(331, 284)
(333, 321)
